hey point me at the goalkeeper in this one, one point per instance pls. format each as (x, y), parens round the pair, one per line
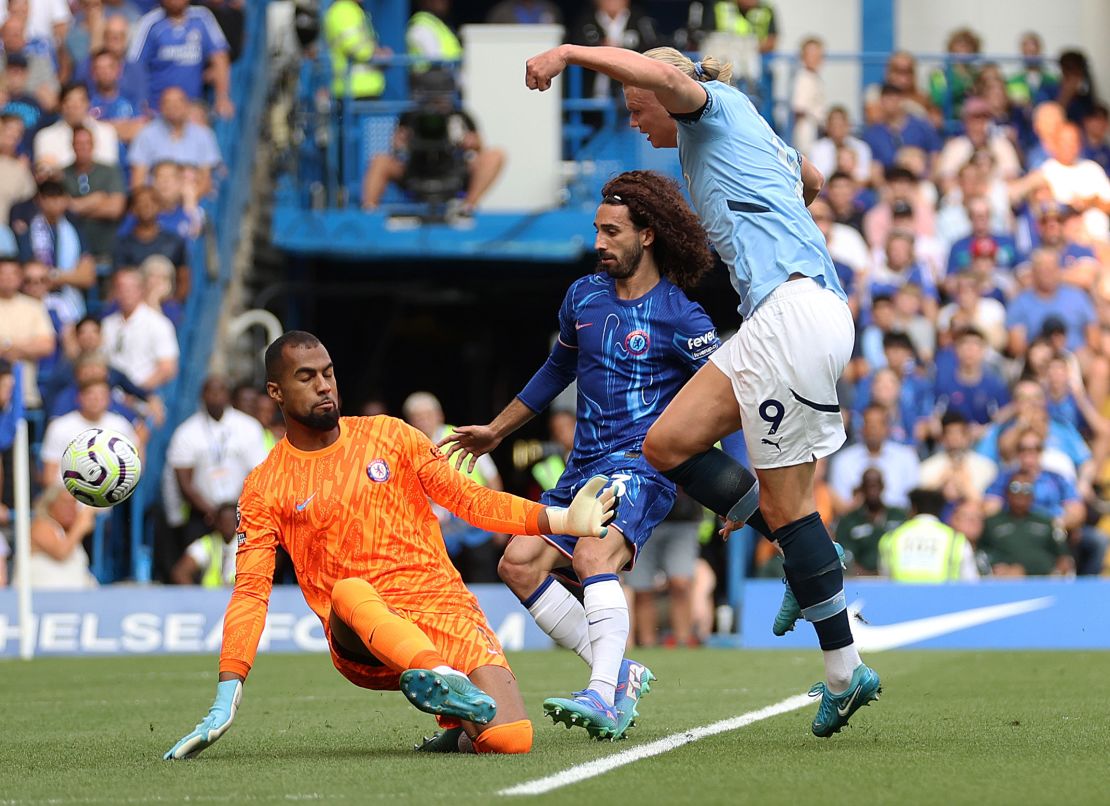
(347, 498)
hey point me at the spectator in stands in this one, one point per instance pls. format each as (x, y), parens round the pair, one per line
(210, 559)
(435, 138)
(179, 45)
(859, 530)
(140, 342)
(1047, 297)
(613, 23)
(172, 137)
(1077, 89)
(673, 556)
(473, 551)
(429, 36)
(59, 525)
(842, 194)
(1096, 146)
(352, 44)
(273, 424)
(896, 128)
(148, 237)
(925, 550)
(177, 191)
(129, 401)
(525, 12)
(132, 84)
(1036, 82)
(1055, 224)
(971, 309)
(26, 333)
(44, 234)
(1048, 117)
(107, 101)
(1020, 542)
(30, 71)
(1080, 183)
(901, 74)
(158, 273)
(838, 135)
(958, 472)
(899, 268)
(93, 400)
(979, 214)
(902, 186)
(898, 463)
(16, 181)
(209, 457)
(977, 136)
(807, 97)
(63, 318)
(1054, 496)
(54, 144)
(969, 387)
(96, 198)
(951, 84)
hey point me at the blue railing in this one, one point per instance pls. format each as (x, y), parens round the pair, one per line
(336, 169)
(211, 264)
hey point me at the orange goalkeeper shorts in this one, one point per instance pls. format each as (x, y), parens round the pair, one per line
(464, 638)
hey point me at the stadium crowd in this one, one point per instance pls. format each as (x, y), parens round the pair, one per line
(966, 209)
(106, 159)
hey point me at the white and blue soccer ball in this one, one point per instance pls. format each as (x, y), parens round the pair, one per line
(101, 467)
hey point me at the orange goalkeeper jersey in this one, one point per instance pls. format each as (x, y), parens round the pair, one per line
(358, 508)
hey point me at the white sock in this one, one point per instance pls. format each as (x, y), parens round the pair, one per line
(448, 670)
(839, 665)
(607, 622)
(562, 617)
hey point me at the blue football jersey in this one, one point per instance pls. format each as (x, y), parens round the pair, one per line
(174, 55)
(633, 357)
(746, 185)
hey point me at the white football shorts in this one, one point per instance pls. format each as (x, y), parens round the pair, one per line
(784, 364)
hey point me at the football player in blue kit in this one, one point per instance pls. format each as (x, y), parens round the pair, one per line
(631, 338)
(777, 376)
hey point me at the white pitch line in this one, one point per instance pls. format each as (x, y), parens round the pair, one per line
(592, 769)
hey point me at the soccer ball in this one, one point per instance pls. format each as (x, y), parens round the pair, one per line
(101, 467)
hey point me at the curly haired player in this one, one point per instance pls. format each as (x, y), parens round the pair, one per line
(347, 498)
(631, 338)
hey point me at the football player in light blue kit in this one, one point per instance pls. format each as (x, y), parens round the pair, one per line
(777, 376)
(631, 338)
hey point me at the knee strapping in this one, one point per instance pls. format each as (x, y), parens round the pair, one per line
(511, 737)
(812, 568)
(717, 481)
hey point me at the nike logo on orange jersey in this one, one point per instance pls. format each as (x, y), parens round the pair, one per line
(303, 504)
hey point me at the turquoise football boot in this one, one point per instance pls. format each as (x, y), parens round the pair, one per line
(447, 695)
(586, 709)
(790, 611)
(836, 709)
(633, 683)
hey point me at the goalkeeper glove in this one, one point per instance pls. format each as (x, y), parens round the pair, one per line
(588, 513)
(213, 726)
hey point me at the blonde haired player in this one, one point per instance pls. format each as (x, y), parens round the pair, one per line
(777, 376)
(347, 498)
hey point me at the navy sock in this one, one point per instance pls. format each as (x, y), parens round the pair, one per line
(717, 481)
(813, 570)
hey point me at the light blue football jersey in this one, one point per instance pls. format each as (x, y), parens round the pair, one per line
(746, 185)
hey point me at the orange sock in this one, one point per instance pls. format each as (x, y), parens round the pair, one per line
(511, 737)
(396, 642)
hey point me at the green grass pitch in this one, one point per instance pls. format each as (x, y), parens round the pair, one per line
(951, 727)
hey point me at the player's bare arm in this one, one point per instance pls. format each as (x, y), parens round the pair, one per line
(475, 440)
(678, 93)
(812, 181)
